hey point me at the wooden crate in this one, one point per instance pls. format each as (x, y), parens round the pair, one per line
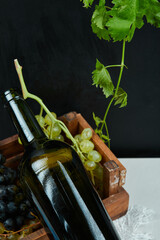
(115, 200)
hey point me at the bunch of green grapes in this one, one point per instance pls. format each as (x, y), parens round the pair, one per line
(87, 147)
(92, 158)
(51, 129)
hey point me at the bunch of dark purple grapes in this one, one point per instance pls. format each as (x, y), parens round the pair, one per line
(14, 207)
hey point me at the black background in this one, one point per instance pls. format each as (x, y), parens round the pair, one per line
(54, 43)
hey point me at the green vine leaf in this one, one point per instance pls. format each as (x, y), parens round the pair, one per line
(127, 15)
(87, 3)
(99, 18)
(153, 12)
(120, 22)
(98, 131)
(121, 98)
(102, 2)
(102, 78)
(104, 137)
(97, 120)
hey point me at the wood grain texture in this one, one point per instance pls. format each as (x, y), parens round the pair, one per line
(111, 178)
(10, 147)
(117, 204)
(71, 121)
(37, 235)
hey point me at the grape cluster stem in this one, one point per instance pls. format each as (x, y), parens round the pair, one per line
(21, 230)
(26, 95)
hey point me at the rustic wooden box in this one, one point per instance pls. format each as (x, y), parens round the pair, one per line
(116, 199)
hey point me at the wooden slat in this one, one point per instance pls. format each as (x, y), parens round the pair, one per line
(117, 204)
(10, 147)
(71, 121)
(12, 150)
(111, 178)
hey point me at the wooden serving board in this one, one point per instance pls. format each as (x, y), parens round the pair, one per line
(115, 198)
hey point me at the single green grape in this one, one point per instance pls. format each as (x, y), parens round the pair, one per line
(47, 118)
(94, 156)
(78, 138)
(90, 165)
(60, 138)
(86, 134)
(55, 131)
(40, 120)
(86, 146)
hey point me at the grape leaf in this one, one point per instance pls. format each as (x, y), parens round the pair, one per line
(101, 78)
(121, 98)
(102, 2)
(99, 132)
(101, 135)
(127, 15)
(105, 137)
(87, 3)
(101, 33)
(99, 18)
(123, 18)
(97, 119)
(153, 13)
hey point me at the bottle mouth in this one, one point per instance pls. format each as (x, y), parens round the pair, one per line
(9, 95)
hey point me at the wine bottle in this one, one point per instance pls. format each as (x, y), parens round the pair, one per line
(55, 181)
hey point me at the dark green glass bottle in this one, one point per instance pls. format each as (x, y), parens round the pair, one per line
(55, 181)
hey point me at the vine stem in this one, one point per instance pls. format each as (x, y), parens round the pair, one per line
(107, 134)
(111, 66)
(26, 95)
(115, 93)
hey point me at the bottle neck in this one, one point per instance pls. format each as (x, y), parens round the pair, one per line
(24, 120)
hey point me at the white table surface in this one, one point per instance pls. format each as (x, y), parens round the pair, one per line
(143, 186)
